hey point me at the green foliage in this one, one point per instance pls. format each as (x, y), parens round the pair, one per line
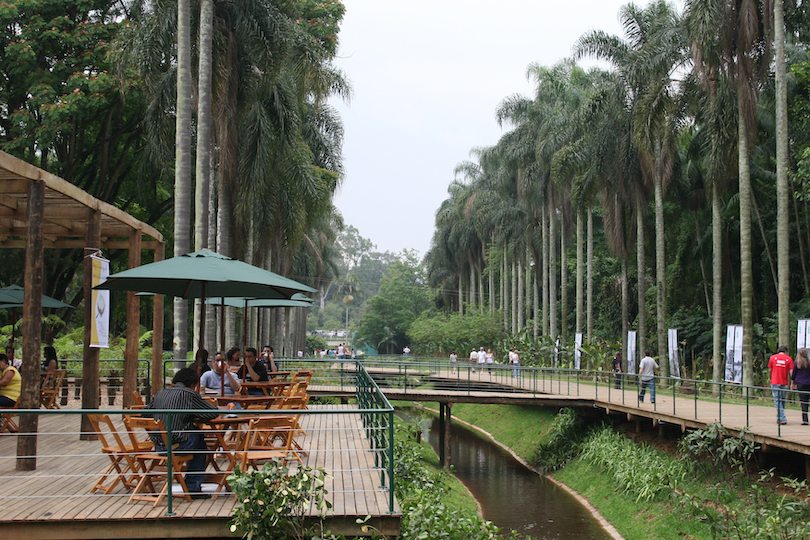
(637, 469)
(563, 442)
(272, 502)
(768, 516)
(315, 343)
(402, 298)
(437, 334)
(713, 445)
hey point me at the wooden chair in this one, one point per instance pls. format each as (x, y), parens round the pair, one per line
(137, 400)
(49, 388)
(7, 422)
(303, 376)
(123, 463)
(296, 402)
(152, 464)
(259, 442)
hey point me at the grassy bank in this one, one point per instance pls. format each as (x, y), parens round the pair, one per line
(701, 499)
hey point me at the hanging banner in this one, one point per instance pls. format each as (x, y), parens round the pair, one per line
(100, 325)
(578, 350)
(631, 352)
(556, 352)
(803, 334)
(672, 348)
(734, 338)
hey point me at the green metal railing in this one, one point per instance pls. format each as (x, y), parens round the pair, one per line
(373, 407)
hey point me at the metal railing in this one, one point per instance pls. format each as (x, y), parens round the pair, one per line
(65, 459)
(688, 396)
(111, 377)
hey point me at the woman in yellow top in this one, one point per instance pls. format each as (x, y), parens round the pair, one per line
(10, 383)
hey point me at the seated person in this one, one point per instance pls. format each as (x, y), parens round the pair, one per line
(253, 370)
(10, 383)
(233, 357)
(51, 362)
(212, 380)
(185, 435)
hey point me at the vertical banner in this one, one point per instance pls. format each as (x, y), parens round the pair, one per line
(672, 348)
(734, 336)
(99, 332)
(803, 334)
(631, 352)
(578, 350)
(556, 352)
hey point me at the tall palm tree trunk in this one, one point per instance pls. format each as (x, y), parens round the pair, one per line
(589, 279)
(642, 280)
(544, 266)
(746, 269)
(515, 305)
(520, 296)
(625, 307)
(552, 277)
(580, 284)
(563, 285)
(717, 288)
(660, 269)
(782, 191)
(182, 179)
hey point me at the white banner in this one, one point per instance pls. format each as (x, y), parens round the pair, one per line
(100, 323)
(734, 338)
(631, 352)
(672, 348)
(556, 352)
(578, 350)
(803, 334)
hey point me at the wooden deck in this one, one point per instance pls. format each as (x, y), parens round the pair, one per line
(54, 501)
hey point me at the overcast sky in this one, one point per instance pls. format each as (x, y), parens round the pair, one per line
(427, 78)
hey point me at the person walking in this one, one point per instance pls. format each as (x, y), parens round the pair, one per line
(514, 357)
(801, 380)
(646, 370)
(780, 365)
(490, 359)
(617, 370)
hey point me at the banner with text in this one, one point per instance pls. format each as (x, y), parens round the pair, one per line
(734, 349)
(631, 352)
(578, 351)
(672, 348)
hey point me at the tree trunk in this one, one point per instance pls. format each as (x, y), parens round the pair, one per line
(182, 180)
(521, 297)
(625, 307)
(642, 280)
(544, 273)
(563, 285)
(580, 283)
(589, 279)
(660, 268)
(717, 288)
(782, 191)
(552, 276)
(746, 271)
(515, 305)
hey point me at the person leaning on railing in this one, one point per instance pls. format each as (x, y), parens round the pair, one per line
(801, 380)
(185, 435)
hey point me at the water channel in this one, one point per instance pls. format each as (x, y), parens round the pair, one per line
(512, 496)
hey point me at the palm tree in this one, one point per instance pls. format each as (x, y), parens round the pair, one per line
(782, 187)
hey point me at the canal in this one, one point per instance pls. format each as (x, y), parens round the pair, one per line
(512, 496)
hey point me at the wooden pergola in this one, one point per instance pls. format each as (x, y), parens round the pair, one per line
(39, 210)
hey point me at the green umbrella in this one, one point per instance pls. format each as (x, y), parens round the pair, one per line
(297, 300)
(12, 297)
(204, 274)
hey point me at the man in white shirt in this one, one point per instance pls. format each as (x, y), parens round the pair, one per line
(212, 380)
(646, 371)
(473, 357)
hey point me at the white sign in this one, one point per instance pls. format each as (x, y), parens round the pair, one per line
(100, 323)
(556, 352)
(803, 334)
(578, 350)
(631, 352)
(734, 344)
(674, 366)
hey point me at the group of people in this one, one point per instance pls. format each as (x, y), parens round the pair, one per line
(341, 352)
(786, 374)
(487, 359)
(227, 371)
(10, 378)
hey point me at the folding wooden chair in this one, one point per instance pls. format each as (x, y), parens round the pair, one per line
(137, 400)
(303, 376)
(296, 402)
(259, 443)
(7, 422)
(152, 464)
(123, 464)
(49, 388)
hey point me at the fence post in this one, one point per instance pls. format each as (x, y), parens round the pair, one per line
(169, 477)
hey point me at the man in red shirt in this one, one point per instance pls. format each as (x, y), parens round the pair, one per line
(780, 365)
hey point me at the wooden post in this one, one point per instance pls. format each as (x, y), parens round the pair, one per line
(133, 326)
(90, 389)
(447, 455)
(32, 327)
(157, 331)
(442, 434)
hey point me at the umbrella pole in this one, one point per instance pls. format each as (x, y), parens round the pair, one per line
(222, 344)
(202, 336)
(244, 342)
